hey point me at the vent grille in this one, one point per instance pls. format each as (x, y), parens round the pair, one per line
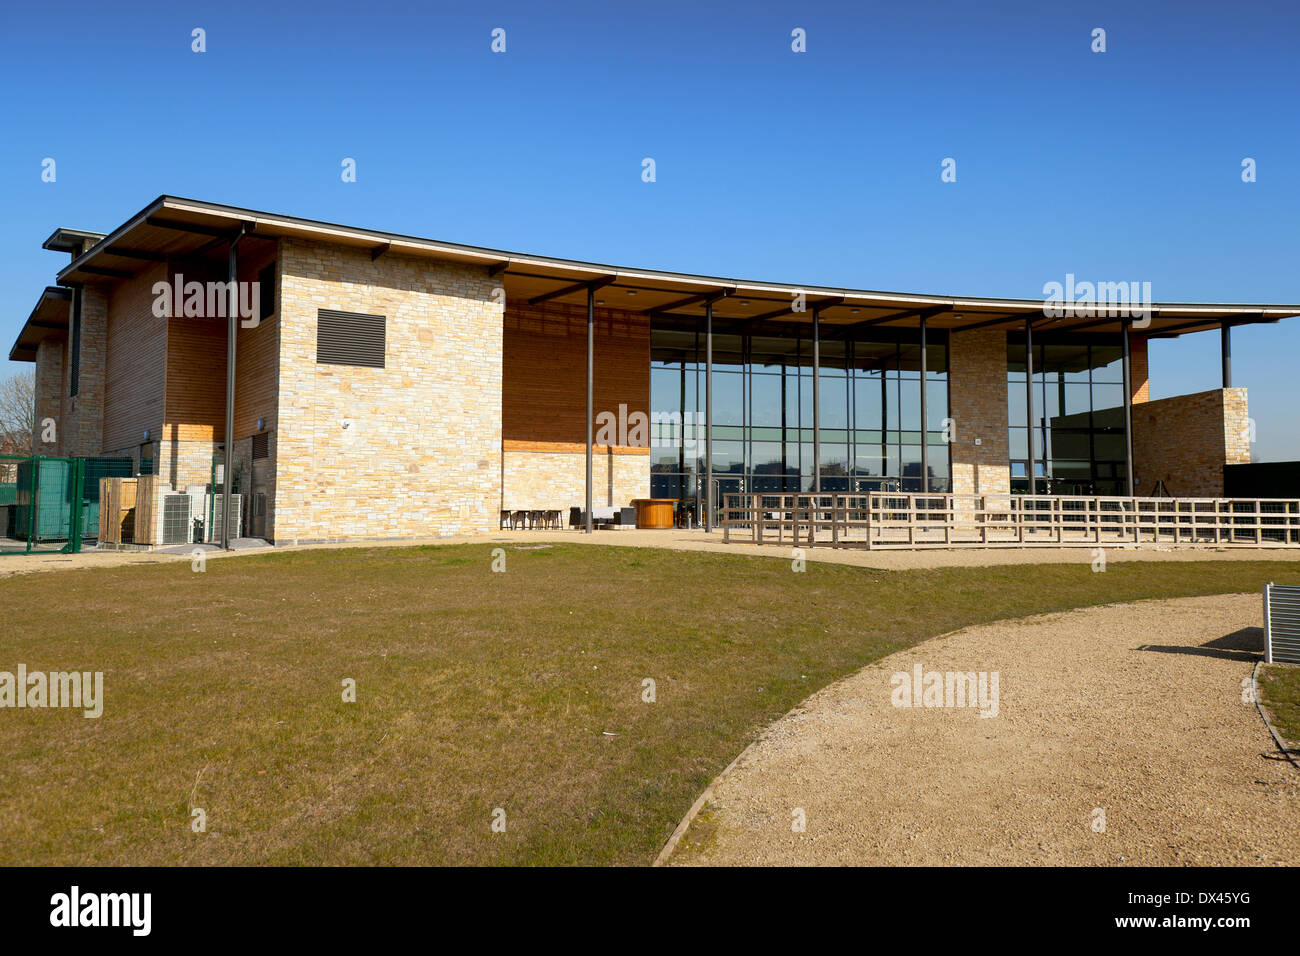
(349, 338)
(1281, 624)
(176, 519)
(260, 447)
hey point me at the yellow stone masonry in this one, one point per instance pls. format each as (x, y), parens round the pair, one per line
(409, 450)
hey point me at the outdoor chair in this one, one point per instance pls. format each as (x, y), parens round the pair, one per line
(518, 519)
(575, 518)
(505, 519)
(553, 518)
(536, 519)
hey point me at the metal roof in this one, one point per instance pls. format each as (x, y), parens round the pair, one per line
(49, 317)
(171, 227)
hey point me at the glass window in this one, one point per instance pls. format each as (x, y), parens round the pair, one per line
(1107, 396)
(766, 405)
(870, 411)
(1108, 363)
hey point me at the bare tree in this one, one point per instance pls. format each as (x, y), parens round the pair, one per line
(18, 412)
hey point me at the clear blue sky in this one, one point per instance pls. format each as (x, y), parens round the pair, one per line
(818, 168)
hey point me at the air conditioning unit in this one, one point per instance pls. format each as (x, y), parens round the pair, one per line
(190, 518)
(236, 518)
(177, 519)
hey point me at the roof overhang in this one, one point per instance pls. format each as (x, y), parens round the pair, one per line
(172, 227)
(74, 241)
(49, 318)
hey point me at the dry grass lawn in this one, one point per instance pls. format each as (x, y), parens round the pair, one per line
(476, 691)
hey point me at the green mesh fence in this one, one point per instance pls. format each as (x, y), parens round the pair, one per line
(47, 504)
(93, 470)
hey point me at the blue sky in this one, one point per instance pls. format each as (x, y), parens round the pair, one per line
(818, 168)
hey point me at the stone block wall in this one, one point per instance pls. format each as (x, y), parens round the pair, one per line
(558, 479)
(977, 403)
(409, 450)
(49, 393)
(1186, 440)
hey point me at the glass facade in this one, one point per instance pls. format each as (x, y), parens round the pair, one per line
(1078, 433)
(870, 403)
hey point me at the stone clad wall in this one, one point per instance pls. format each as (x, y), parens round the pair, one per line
(1186, 440)
(409, 450)
(977, 402)
(558, 479)
(82, 426)
(49, 389)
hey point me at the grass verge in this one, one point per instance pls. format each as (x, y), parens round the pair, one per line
(1279, 690)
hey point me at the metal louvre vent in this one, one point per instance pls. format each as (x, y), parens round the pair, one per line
(259, 447)
(349, 338)
(1281, 623)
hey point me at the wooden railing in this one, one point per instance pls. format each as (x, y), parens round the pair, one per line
(883, 519)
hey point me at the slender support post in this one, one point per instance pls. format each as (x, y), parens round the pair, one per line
(708, 415)
(817, 401)
(1128, 410)
(1225, 350)
(1029, 401)
(925, 421)
(591, 366)
(232, 327)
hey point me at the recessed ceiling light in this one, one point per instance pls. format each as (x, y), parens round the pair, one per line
(631, 291)
(855, 311)
(744, 302)
(600, 301)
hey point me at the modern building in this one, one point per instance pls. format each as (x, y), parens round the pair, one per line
(385, 386)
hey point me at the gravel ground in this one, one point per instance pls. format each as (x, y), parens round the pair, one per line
(1135, 710)
(678, 540)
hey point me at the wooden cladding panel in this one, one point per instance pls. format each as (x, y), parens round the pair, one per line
(196, 374)
(196, 360)
(257, 359)
(136, 363)
(544, 370)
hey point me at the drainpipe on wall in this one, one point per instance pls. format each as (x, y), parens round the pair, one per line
(232, 326)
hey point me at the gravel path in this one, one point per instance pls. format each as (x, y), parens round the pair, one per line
(1135, 710)
(678, 540)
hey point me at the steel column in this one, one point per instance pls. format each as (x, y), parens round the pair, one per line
(1128, 410)
(817, 401)
(925, 421)
(708, 415)
(1029, 401)
(1225, 351)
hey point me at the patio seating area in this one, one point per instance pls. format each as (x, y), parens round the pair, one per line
(551, 519)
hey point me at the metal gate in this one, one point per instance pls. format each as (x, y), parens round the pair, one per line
(50, 504)
(1281, 623)
(40, 504)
